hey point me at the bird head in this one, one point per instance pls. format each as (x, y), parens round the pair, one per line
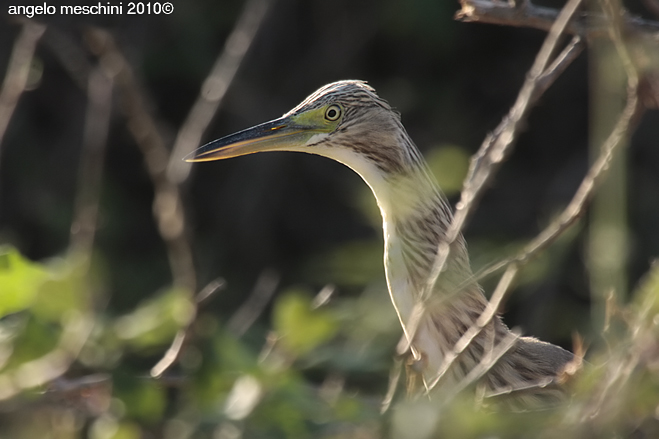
(344, 120)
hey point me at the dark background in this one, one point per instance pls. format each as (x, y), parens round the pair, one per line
(452, 83)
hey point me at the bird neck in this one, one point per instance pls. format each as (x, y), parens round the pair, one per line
(415, 217)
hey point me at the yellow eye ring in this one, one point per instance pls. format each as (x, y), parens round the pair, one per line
(332, 113)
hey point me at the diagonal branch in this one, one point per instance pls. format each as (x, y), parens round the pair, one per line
(215, 87)
(483, 320)
(494, 150)
(498, 145)
(97, 122)
(17, 71)
(596, 174)
(172, 354)
(52, 365)
(523, 13)
(167, 205)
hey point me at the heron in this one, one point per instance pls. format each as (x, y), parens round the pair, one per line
(348, 122)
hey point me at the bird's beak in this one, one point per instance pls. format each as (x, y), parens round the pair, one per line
(283, 134)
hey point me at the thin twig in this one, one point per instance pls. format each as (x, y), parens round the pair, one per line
(575, 209)
(97, 121)
(596, 174)
(478, 371)
(558, 66)
(498, 145)
(590, 182)
(483, 320)
(394, 378)
(18, 71)
(215, 87)
(167, 205)
(258, 299)
(525, 14)
(51, 365)
(71, 55)
(172, 354)
(491, 154)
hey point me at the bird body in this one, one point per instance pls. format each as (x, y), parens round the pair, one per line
(347, 122)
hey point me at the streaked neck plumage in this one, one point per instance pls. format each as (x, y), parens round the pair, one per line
(415, 217)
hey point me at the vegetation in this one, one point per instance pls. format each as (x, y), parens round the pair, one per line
(246, 298)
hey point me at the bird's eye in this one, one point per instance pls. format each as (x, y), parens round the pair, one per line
(333, 112)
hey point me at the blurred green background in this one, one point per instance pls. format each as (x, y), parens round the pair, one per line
(296, 221)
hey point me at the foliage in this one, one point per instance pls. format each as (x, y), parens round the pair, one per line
(82, 327)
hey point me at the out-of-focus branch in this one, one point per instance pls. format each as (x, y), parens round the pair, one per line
(189, 136)
(97, 121)
(17, 71)
(172, 354)
(593, 178)
(523, 13)
(598, 170)
(486, 363)
(245, 316)
(89, 394)
(495, 149)
(167, 205)
(70, 54)
(498, 145)
(639, 351)
(215, 87)
(52, 365)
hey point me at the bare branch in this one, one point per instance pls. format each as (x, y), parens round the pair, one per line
(258, 299)
(17, 71)
(90, 394)
(215, 87)
(99, 110)
(167, 205)
(596, 174)
(495, 149)
(52, 365)
(575, 209)
(498, 145)
(483, 320)
(172, 354)
(70, 54)
(558, 66)
(394, 378)
(525, 14)
(486, 364)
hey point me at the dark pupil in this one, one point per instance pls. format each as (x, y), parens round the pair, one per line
(331, 114)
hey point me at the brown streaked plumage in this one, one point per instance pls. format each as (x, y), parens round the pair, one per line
(347, 121)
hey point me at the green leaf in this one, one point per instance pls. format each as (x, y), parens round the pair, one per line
(19, 281)
(449, 164)
(143, 399)
(156, 320)
(301, 327)
(66, 288)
